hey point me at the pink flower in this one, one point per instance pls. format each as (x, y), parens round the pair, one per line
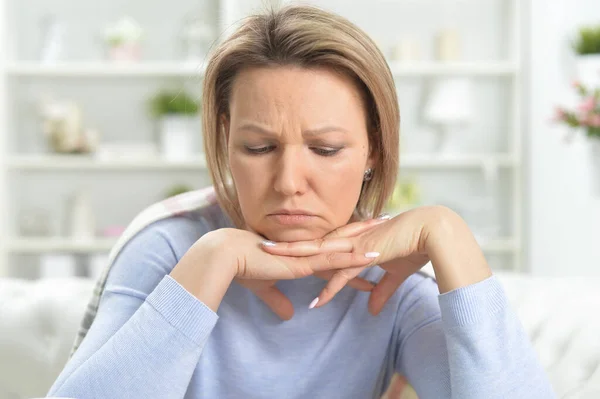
(559, 115)
(588, 105)
(576, 84)
(594, 120)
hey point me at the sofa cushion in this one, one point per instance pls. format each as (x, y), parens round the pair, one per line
(38, 323)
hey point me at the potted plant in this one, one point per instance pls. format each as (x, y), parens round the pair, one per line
(123, 40)
(179, 123)
(586, 116)
(587, 47)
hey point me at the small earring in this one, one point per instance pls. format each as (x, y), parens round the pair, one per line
(368, 174)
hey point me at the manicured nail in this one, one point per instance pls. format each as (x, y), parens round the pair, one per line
(313, 303)
(384, 216)
(371, 254)
(268, 243)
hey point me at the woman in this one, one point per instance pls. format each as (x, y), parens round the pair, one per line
(301, 135)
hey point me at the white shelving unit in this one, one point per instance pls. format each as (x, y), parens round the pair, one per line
(83, 163)
(12, 162)
(103, 69)
(158, 69)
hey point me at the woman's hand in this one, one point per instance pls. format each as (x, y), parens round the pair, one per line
(279, 303)
(224, 255)
(405, 244)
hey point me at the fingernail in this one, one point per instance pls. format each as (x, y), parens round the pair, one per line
(268, 243)
(384, 216)
(313, 303)
(371, 254)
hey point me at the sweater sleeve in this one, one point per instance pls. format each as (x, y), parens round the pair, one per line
(467, 343)
(149, 332)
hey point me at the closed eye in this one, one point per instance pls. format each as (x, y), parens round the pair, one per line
(326, 152)
(260, 150)
(323, 151)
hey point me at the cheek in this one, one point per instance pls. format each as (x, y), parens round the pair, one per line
(248, 176)
(340, 187)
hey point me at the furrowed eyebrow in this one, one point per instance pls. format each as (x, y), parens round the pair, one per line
(252, 127)
(324, 129)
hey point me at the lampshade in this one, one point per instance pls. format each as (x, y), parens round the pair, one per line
(450, 102)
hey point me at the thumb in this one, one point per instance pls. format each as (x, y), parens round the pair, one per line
(277, 301)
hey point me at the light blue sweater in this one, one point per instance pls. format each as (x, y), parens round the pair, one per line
(153, 339)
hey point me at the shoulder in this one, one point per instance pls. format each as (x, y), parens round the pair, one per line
(163, 242)
(177, 233)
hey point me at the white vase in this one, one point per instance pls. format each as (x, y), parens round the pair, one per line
(81, 220)
(178, 136)
(588, 70)
(126, 52)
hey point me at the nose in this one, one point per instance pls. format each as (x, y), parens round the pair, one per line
(291, 172)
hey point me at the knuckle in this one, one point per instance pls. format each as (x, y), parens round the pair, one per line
(331, 259)
(343, 276)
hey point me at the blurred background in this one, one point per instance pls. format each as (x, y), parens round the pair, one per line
(100, 118)
(100, 111)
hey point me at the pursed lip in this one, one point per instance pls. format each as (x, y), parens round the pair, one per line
(292, 212)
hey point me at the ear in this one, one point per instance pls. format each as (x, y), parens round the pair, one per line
(371, 160)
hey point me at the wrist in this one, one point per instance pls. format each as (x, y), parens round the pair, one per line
(455, 255)
(205, 272)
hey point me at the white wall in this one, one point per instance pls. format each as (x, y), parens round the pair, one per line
(564, 210)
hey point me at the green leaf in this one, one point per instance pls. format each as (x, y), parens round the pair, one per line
(172, 102)
(587, 40)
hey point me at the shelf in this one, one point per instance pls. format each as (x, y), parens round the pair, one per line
(104, 69)
(86, 163)
(465, 161)
(48, 163)
(36, 245)
(108, 69)
(453, 68)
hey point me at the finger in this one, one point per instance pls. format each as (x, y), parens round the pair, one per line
(356, 228)
(308, 248)
(338, 281)
(336, 241)
(396, 387)
(277, 302)
(383, 291)
(358, 283)
(336, 260)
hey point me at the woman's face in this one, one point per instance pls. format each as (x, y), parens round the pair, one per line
(298, 149)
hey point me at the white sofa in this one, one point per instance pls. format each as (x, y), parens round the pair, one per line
(39, 319)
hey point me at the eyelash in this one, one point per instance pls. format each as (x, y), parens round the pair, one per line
(317, 150)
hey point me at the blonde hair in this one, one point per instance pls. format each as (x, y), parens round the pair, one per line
(303, 36)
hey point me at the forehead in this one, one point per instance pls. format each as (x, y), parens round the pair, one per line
(311, 91)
